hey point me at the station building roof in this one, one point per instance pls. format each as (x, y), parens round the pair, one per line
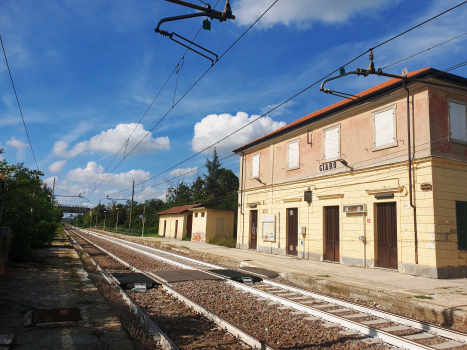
(178, 210)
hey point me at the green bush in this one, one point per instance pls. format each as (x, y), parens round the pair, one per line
(225, 242)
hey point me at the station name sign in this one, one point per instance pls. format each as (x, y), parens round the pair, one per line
(328, 166)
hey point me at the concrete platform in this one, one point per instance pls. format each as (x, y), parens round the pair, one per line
(56, 279)
(184, 275)
(387, 289)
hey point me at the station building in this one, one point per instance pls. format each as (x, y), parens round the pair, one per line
(335, 185)
(176, 222)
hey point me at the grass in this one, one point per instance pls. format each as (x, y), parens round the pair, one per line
(225, 242)
(186, 238)
(422, 297)
(323, 276)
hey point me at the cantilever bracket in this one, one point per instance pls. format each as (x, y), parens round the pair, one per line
(206, 12)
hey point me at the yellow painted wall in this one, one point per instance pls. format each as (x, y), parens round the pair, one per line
(199, 226)
(170, 228)
(352, 188)
(450, 184)
(211, 223)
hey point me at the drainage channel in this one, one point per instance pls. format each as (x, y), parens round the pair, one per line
(242, 335)
(367, 326)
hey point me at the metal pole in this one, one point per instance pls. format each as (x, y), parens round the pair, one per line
(132, 198)
(95, 227)
(116, 224)
(144, 218)
(2, 190)
(105, 217)
(53, 191)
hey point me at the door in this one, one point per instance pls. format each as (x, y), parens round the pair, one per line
(165, 226)
(461, 215)
(386, 222)
(176, 228)
(292, 231)
(189, 225)
(254, 229)
(331, 229)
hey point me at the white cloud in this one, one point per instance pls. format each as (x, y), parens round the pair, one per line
(92, 172)
(16, 144)
(149, 193)
(111, 141)
(224, 124)
(304, 12)
(57, 167)
(182, 172)
(66, 189)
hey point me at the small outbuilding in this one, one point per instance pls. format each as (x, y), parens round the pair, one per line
(207, 223)
(176, 222)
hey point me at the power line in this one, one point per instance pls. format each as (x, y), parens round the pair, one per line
(444, 42)
(17, 100)
(202, 76)
(286, 101)
(370, 99)
(154, 100)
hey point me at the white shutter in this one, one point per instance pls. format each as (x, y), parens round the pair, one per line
(385, 130)
(293, 155)
(255, 165)
(457, 122)
(331, 143)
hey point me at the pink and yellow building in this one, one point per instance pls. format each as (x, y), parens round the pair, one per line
(335, 184)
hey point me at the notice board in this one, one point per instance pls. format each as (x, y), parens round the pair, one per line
(269, 228)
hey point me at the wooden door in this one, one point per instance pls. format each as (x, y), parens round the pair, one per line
(165, 226)
(292, 231)
(189, 224)
(386, 222)
(461, 214)
(331, 231)
(254, 229)
(176, 228)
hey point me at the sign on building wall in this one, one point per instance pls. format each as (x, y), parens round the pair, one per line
(269, 228)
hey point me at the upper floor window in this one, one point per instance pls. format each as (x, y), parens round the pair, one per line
(457, 122)
(384, 128)
(255, 165)
(332, 144)
(293, 155)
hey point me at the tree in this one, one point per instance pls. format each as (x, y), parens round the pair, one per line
(27, 210)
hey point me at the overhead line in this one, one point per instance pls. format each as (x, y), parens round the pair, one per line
(202, 76)
(289, 99)
(17, 100)
(173, 71)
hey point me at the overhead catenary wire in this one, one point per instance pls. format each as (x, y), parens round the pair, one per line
(19, 106)
(279, 105)
(367, 100)
(187, 92)
(125, 144)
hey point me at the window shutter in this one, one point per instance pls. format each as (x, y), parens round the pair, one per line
(255, 165)
(457, 121)
(461, 213)
(385, 130)
(331, 143)
(293, 155)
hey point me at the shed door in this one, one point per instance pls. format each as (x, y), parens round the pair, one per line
(254, 229)
(189, 224)
(331, 229)
(461, 214)
(165, 226)
(386, 222)
(292, 231)
(176, 228)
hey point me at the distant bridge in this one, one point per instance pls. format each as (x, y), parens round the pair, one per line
(73, 209)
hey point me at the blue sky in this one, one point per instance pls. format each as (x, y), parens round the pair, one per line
(86, 72)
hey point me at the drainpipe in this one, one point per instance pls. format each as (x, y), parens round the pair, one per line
(241, 201)
(364, 240)
(410, 177)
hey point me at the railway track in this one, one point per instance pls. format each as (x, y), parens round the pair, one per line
(312, 320)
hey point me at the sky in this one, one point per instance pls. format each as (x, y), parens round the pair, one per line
(86, 72)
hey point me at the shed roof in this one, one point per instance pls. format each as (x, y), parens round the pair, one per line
(178, 210)
(389, 85)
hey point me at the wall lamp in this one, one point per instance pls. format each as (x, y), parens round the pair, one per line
(344, 163)
(259, 180)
